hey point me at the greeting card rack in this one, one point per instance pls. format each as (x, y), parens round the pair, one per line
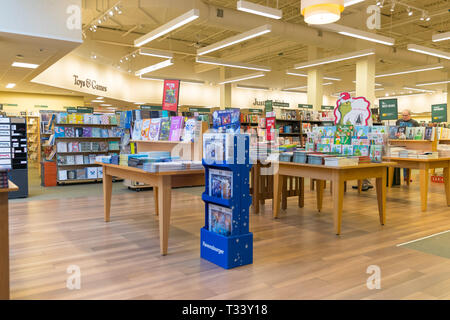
(235, 249)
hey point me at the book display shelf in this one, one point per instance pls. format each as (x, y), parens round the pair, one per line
(289, 125)
(34, 139)
(225, 238)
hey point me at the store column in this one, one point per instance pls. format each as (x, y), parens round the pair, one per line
(225, 90)
(315, 80)
(448, 98)
(365, 79)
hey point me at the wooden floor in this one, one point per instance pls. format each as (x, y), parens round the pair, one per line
(295, 257)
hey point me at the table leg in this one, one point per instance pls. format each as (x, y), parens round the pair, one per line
(107, 191)
(391, 176)
(284, 194)
(359, 186)
(277, 187)
(424, 187)
(311, 184)
(165, 197)
(4, 247)
(381, 197)
(155, 195)
(447, 184)
(301, 192)
(408, 177)
(319, 194)
(338, 201)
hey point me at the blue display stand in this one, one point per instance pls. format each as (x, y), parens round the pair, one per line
(237, 248)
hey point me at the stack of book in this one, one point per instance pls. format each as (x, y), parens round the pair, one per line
(395, 151)
(3, 177)
(428, 155)
(163, 166)
(341, 161)
(444, 150)
(363, 159)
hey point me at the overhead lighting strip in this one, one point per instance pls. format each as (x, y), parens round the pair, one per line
(258, 9)
(420, 69)
(154, 67)
(348, 56)
(236, 39)
(24, 65)
(429, 51)
(189, 16)
(232, 64)
(356, 33)
(420, 84)
(243, 77)
(441, 36)
(417, 89)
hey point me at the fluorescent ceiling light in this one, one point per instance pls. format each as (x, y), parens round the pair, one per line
(168, 27)
(154, 67)
(356, 33)
(232, 64)
(347, 56)
(348, 3)
(155, 78)
(429, 51)
(417, 89)
(236, 39)
(99, 98)
(293, 88)
(419, 69)
(431, 83)
(25, 65)
(243, 77)
(379, 89)
(139, 103)
(105, 105)
(292, 73)
(10, 85)
(327, 84)
(252, 88)
(258, 9)
(441, 36)
(97, 101)
(155, 53)
(293, 91)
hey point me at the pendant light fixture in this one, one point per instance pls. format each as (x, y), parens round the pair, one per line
(322, 11)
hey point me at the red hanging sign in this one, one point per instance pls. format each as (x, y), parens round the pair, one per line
(270, 128)
(170, 95)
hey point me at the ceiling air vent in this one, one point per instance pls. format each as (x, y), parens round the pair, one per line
(220, 13)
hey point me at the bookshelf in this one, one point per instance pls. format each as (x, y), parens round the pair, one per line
(425, 145)
(34, 139)
(289, 124)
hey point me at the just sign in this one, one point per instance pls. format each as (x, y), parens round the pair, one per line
(88, 83)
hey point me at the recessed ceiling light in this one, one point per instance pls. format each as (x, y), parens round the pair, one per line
(99, 98)
(97, 101)
(10, 85)
(106, 105)
(24, 65)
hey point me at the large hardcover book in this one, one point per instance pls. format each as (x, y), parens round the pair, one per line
(429, 133)
(220, 220)
(69, 132)
(344, 134)
(221, 184)
(96, 132)
(61, 146)
(87, 132)
(410, 132)
(145, 129)
(62, 175)
(419, 133)
(137, 127)
(165, 129)
(78, 132)
(76, 146)
(189, 130)
(59, 132)
(176, 125)
(155, 128)
(79, 159)
(70, 160)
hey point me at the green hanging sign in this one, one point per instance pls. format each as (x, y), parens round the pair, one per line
(85, 110)
(327, 108)
(268, 106)
(151, 108)
(388, 109)
(71, 110)
(40, 106)
(257, 111)
(305, 106)
(281, 104)
(439, 112)
(199, 109)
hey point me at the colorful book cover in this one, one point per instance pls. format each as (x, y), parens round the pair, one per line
(336, 148)
(71, 118)
(361, 151)
(347, 150)
(95, 119)
(81, 174)
(323, 147)
(220, 220)
(96, 132)
(91, 173)
(165, 129)
(380, 129)
(145, 129)
(189, 130)
(309, 146)
(154, 130)
(87, 118)
(103, 145)
(113, 120)
(136, 133)
(76, 146)
(87, 132)
(330, 131)
(113, 145)
(392, 132)
(344, 134)
(362, 131)
(59, 132)
(104, 133)
(410, 133)
(429, 133)
(104, 119)
(61, 160)
(326, 140)
(401, 133)
(419, 133)
(78, 132)
(69, 132)
(62, 117)
(376, 153)
(176, 125)
(220, 184)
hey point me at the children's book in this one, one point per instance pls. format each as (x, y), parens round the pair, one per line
(337, 148)
(220, 220)
(96, 132)
(69, 132)
(344, 134)
(189, 130)
(70, 160)
(410, 133)
(380, 129)
(419, 133)
(165, 129)
(76, 146)
(429, 133)
(87, 118)
(330, 131)
(145, 129)
(376, 153)
(104, 119)
(113, 119)
(361, 151)
(87, 132)
(392, 132)
(104, 133)
(401, 133)
(62, 117)
(96, 119)
(61, 146)
(321, 147)
(78, 132)
(361, 131)
(347, 150)
(71, 118)
(59, 132)
(154, 130)
(79, 159)
(79, 118)
(136, 133)
(113, 145)
(220, 184)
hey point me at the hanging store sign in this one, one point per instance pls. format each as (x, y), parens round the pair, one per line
(388, 109)
(171, 95)
(268, 106)
(151, 108)
(281, 104)
(352, 111)
(327, 108)
(305, 106)
(439, 113)
(85, 110)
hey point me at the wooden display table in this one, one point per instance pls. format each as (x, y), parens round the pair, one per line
(4, 240)
(424, 165)
(162, 183)
(338, 176)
